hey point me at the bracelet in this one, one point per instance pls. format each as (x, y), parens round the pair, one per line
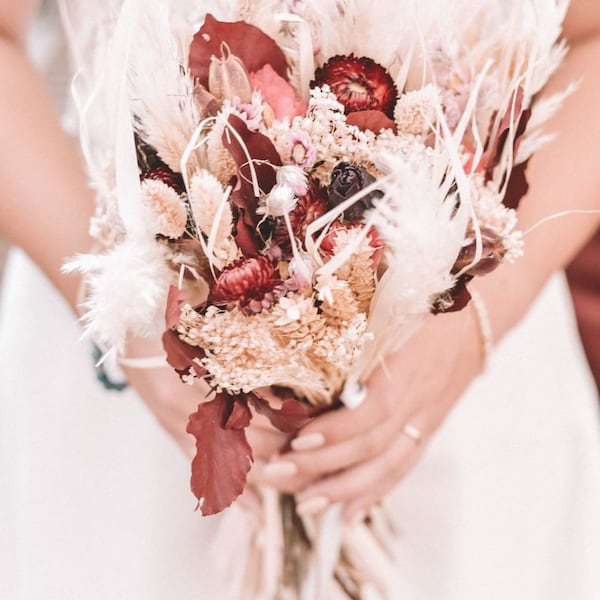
(113, 381)
(484, 325)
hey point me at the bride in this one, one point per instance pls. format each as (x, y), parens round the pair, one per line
(492, 471)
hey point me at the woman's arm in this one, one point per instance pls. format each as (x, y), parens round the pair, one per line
(563, 176)
(45, 201)
(358, 456)
(46, 204)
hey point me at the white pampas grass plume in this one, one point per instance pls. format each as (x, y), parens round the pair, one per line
(206, 197)
(423, 234)
(220, 161)
(127, 290)
(542, 111)
(213, 217)
(165, 207)
(161, 86)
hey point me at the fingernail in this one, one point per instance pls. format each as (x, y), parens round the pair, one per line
(282, 468)
(312, 506)
(310, 441)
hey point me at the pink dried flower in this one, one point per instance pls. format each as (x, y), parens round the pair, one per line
(278, 93)
(251, 113)
(301, 150)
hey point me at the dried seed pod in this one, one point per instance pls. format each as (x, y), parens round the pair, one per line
(228, 78)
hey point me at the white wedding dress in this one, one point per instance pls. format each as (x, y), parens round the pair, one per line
(95, 503)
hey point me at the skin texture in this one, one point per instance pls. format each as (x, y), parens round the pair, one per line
(363, 453)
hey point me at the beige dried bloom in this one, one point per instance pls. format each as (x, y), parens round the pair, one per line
(206, 195)
(361, 279)
(166, 208)
(290, 345)
(297, 322)
(339, 348)
(358, 270)
(209, 204)
(492, 214)
(416, 111)
(339, 306)
(220, 162)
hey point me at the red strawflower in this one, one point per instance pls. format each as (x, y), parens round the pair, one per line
(358, 84)
(309, 207)
(250, 283)
(164, 174)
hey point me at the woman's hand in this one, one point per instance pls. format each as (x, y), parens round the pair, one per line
(357, 456)
(172, 402)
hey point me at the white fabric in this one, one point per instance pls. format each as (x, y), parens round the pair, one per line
(95, 503)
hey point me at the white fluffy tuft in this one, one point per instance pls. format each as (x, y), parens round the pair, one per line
(126, 292)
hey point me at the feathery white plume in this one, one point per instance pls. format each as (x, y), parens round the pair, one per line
(125, 292)
(423, 233)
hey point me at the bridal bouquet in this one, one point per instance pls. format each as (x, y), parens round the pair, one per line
(296, 186)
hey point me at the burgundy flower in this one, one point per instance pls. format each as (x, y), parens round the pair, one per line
(492, 252)
(309, 207)
(346, 181)
(358, 84)
(164, 174)
(250, 283)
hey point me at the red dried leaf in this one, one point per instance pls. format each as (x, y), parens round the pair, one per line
(175, 300)
(511, 117)
(245, 235)
(292, 415)
(181, 355)
(514, 116)
(371, 120)
(252, 46)
(460, 296)
(223, 456)
(517, 186)
(240, 414)
(263, 154)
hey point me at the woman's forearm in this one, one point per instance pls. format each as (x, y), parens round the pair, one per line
(45, 201)
(563, 176)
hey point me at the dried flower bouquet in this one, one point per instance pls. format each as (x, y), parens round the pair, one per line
(297, 197)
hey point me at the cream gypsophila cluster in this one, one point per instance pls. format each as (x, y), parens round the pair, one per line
(492, 214)
(334, 140)
(291, 345)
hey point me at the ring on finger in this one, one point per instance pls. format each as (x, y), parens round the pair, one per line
(412, 432)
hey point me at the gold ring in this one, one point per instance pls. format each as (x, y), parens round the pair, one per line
(413, 433)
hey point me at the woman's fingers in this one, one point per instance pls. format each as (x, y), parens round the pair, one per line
(364, 485)
(330, 458)
(266, 441)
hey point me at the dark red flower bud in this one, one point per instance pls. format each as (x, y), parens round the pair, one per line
(309, 207)
(164, 174)
(493, 251)
(251, 283)
(347, 180)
